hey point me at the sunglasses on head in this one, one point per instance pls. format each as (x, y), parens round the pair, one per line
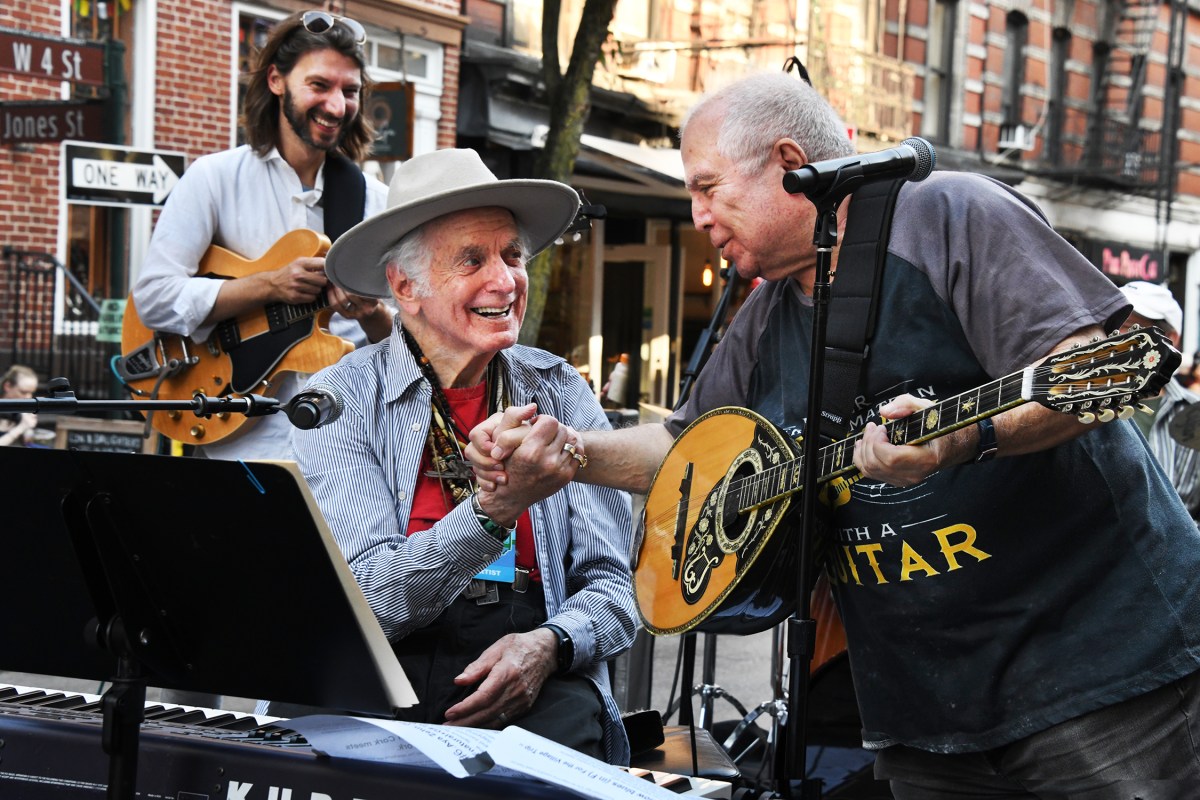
(319, 22)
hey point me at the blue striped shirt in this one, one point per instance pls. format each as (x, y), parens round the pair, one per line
(372, 455)
(1180, 462)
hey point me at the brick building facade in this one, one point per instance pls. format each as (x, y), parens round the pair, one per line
(170, 86)
(1088, 106)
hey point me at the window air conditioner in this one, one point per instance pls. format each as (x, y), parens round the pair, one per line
(1015, 137)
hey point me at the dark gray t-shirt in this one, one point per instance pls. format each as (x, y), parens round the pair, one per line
(991, 600)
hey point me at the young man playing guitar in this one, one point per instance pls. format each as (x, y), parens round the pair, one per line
(1020, 600)
(304, 129)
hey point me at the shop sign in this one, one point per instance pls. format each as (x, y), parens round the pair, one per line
(391, 109)
(1123, 262)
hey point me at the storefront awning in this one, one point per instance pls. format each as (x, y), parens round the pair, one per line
(610, 165)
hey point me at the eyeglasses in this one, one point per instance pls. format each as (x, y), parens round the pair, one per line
(322, 22)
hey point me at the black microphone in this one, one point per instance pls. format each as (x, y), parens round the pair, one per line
(314, 407)
(913, 159)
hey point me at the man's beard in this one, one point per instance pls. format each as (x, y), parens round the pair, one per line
(299, 123)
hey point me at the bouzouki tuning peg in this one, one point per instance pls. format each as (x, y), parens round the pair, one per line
(1145, 409)
(1087, 418)
(1126, 412)
(1107, 415)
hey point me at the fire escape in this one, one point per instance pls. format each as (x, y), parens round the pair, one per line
(1118, 151)
(1123, 150)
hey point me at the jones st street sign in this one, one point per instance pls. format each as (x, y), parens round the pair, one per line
(37, 56)
(50, 121)
(105, 174)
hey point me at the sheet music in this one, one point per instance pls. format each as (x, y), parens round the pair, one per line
(468, 751)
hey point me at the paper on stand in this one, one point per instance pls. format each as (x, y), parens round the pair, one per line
(539, 757)
(468, 751)
(456, 750)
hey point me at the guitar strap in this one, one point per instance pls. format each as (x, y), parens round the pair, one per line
(345, 195)
(853, 300)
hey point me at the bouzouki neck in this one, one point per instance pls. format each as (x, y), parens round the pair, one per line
(1098, 381)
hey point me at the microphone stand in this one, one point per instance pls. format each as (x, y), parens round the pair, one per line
(801, 628)
(62, 401)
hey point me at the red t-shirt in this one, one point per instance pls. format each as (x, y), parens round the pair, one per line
(432, 500)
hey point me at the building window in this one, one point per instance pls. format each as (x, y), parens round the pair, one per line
(1060, 50)
(93, 253)
(939, 82)
(402, 60)
(1016, 35)
(527, 25)
(489, 21)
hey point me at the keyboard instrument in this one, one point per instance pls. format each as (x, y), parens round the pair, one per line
(51, 749)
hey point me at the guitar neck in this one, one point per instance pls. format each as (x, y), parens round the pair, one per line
(946, 416)
(294, 312)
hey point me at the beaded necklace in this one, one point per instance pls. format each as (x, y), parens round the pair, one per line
(446, 438)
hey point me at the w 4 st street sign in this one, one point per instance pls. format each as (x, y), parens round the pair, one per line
(36, 56)
(106, 174)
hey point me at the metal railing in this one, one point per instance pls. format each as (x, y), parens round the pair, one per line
(53, 333)
(1118, 155)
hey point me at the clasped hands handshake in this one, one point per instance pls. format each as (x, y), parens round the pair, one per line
(521, 457)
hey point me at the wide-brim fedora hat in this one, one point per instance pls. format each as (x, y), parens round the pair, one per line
(432, 185)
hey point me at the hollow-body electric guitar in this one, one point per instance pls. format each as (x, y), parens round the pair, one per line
(243, 354)
(709, 557)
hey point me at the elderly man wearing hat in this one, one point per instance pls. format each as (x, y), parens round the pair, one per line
(1174, 430)
(504, 612)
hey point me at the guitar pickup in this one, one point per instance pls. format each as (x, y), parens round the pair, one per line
(277, 317)
(228, 335)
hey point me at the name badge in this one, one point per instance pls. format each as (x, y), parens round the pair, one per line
(504, 568)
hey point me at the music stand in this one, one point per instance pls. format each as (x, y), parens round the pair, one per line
(202, 575)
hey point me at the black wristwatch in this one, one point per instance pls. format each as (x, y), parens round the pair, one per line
(988, 446)
(566, 648)
(488, 524)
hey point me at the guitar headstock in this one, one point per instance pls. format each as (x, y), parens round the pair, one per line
(1105, 378)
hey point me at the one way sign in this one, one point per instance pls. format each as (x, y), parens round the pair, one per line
(111, 175)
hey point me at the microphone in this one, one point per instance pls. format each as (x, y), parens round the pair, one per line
(314, 407)
(913, 159)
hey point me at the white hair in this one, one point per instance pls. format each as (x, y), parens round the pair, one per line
(411, 257)
(763, 108)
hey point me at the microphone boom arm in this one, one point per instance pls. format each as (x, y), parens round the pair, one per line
(63, 401)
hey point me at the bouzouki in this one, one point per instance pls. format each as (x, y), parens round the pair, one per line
(243, 354)
(709, 557)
